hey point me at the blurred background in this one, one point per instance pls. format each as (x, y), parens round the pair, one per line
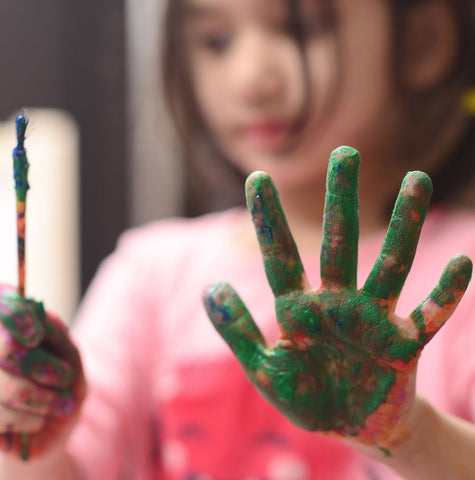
(89, 76)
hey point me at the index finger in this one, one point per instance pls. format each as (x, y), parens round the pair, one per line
(284, 269)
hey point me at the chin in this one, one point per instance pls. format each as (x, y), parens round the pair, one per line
(286, 170)
(290, 178)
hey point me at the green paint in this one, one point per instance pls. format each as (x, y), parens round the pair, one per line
(340, 352)
(20, 161)
(24, 446)
(387, 453)
(231, 318)
(444, 298)
(46, 369)
(282, 262)
(22, 318)
(338, 259)
(397, 253)
(455, 276)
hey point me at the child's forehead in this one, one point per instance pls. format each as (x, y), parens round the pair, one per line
(262, 8)
(203, 8)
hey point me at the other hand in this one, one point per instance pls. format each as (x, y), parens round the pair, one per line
(41, 379)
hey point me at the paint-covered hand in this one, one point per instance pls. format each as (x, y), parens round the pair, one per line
(41, 380)
(345, 363)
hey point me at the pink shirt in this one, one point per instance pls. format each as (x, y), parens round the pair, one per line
(168, 400)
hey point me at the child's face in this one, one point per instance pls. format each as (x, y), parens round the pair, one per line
(249, 81)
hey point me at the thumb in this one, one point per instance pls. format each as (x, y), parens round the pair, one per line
(234, 323)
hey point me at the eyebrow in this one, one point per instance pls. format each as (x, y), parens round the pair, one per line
(193, 10)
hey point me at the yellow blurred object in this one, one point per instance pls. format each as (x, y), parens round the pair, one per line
(468, 101)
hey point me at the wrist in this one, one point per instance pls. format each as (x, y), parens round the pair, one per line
(437, 446)
(421, 416)
(402, 438)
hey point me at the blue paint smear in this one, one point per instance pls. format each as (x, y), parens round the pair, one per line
(219, 309)
(266, 231)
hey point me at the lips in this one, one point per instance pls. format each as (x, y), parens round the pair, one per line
(268, 134)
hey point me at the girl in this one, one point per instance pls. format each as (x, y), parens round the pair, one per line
(276, 85)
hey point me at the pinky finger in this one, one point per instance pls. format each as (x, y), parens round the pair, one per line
(234, 323)
(437, 308)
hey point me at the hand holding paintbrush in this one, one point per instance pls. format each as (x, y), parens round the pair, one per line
(41, 380)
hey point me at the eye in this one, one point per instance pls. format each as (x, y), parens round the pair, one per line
(314, 18)
(215, 42)
(313, 25)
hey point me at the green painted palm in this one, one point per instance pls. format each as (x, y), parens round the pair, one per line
(345, 363)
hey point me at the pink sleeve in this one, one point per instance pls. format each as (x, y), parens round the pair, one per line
(114, 333)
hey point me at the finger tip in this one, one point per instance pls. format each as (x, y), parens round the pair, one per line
(343, 169)
(221, 303)
(214, 287)
(463, 264)
(345, 152)
(457, 274)
(212, 293)
(255, 180)
(417, 183)
(261, 192)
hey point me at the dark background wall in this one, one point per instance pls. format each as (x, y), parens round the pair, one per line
(69, 54)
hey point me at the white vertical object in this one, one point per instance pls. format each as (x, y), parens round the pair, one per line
(52, 210)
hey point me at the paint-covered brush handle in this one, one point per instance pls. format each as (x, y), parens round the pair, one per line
(20, 175)
(20, 160)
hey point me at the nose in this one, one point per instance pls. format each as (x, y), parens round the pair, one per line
(258, 76)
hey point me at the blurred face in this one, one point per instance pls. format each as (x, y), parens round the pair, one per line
(254, 93)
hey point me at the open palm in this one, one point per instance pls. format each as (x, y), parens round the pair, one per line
(345, 363)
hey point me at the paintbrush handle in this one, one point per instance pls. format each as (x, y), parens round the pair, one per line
(20, 175)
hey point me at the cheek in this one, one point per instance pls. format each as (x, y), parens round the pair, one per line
(207, 99)
(323, 68)
(366, 51)
(209, 90)
(357, 68)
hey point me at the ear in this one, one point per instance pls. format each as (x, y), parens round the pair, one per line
(430, 44)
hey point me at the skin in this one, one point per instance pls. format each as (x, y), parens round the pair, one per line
(262, 80)
(256, 75)
(41, 379)
(345, 364)
(245, 68)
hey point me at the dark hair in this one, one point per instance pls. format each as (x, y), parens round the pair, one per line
(211, 182)
(214, 183)
(431, 109)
